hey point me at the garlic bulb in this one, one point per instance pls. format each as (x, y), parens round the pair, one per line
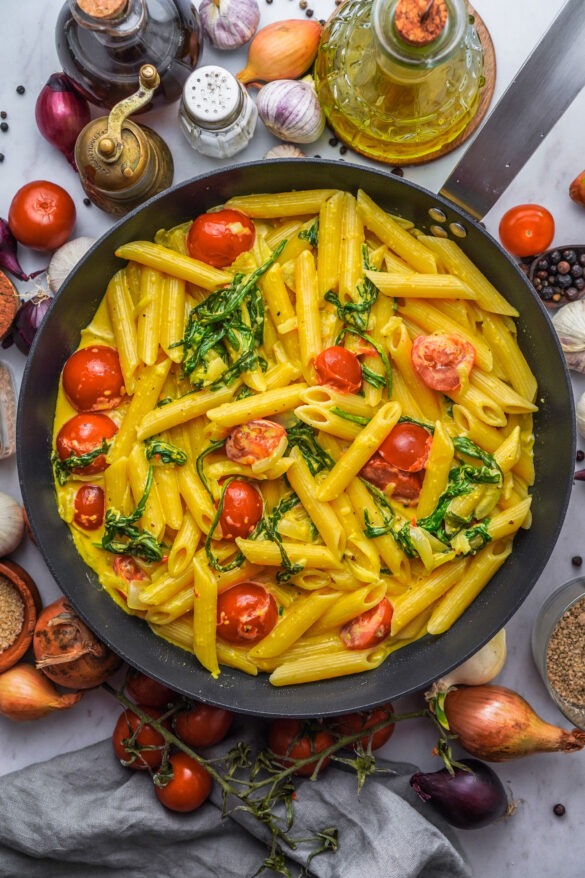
(229, 24)
(477, 670)
(284, 151)
(291, 110)
(569, 325)
(11, 524)
(64, 260)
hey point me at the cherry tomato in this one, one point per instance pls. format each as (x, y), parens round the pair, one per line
(405, 486)
(442, 360)
(131, 734)
(189, 786)
(218, 237)
(370, 628)
(127, 568)
(299, 739)
(527, 229)
(92, 379)
(241, 510)
(339, 368)
(202, 725)
(407, 447)
(146, 691)
(88, 507)
(351, 723)
(255, 441)
(41, 215)
(246, 613)
(81, 435)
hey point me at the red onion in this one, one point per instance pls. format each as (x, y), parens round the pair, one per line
(61, 114)
(8, 259)
(28, 319)
(466, 799)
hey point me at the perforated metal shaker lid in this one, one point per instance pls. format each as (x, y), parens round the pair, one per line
(212, 97)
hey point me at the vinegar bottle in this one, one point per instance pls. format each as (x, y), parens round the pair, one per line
(399, 80)
(102, 44)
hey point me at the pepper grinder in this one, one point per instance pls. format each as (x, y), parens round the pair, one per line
(121, 164)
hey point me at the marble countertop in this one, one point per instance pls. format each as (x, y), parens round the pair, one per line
(532, 841)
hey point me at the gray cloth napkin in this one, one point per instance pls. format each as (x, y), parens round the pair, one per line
(83, 815)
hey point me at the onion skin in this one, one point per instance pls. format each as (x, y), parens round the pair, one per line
(26, 694)
(61, 114)
(67, 652)
(466, 799)
(497, 724)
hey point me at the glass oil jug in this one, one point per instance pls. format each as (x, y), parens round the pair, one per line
(102, 44)
(399, 80)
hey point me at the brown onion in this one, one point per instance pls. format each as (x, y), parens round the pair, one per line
(496, 724)
(67, 651)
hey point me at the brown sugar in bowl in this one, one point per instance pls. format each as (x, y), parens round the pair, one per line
(26, 588)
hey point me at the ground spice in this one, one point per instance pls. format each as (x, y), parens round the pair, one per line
(565, 655)
(11, 613)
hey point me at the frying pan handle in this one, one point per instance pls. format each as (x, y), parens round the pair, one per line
(546, 84)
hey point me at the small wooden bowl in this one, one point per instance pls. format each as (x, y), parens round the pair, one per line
(29, 593)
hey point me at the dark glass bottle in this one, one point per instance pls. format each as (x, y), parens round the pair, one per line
(102, 45)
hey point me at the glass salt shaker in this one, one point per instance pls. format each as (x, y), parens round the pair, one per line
(216, 113)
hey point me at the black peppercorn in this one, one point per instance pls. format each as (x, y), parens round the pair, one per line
(576, 560)
(3, 114)
(580, 455)
(559, 810)
(1, 156)
(20, 89)
(3, 126)
(87, 202)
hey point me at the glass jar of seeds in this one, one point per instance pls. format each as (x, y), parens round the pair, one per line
(558, 648)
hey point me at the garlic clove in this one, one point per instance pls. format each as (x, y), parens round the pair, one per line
(229, 24)
(569, 324)
(290, 109)
(11, 524)
(65, 259)
(285, 151)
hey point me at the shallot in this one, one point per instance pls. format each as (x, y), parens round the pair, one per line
(26, 694)
(469, 796)
(28, 319)
(61, 114)
(8, 258)
(281, 50)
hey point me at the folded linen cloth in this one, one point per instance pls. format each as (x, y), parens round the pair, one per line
(83, 815)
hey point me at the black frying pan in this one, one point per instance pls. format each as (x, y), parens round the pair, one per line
(411, 668)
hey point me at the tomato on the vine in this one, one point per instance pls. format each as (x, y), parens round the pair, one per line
(218, 237)
(147, 691)
(188, 787)
(527, 229)
(369, 628)
(41, 215)
(339, 367)
(83, 434)
(255, 441)
(202, 725)
(137, 744)
(362, 721)
(88, 507)
(241, 510)
(246, 613)
(292, 739)
(93, 380)
(407, 447)
(442, 360)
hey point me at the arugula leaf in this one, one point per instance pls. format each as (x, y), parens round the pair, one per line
(348, 416)
(268, 528)
(311, 234)
(165, 452)
(64, 468)
(304, 437)
(122, 537)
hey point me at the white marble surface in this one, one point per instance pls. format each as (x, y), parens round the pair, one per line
(532, 841)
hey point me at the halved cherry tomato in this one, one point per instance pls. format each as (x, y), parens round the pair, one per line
(370, 628)
(527, 229)
(218, 237)
(189, 786)
(298, 739)
(42, 215)
(406, 486)
(202, 725)
(93, 380)
(131, 734)
(442, 360)
(241, 510)
(83, 434)
(146, 691)
(88, 507)
(339, 368)
(255, 441)
(246, 613)
(127, 568)
(362, 720)
(407, 447)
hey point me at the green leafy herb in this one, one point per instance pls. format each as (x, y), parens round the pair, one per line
(123, 537)
(214, 446)
(304, 437)
(385, 510)
(372, 377)
(311, 234)
(268, 528)
(356, 313)
(348, 416)
(64, 468)
(164, 452)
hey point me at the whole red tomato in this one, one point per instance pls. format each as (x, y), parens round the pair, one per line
(84, 434)
(93, 380)
(339, 368)
(246, 613)
(42, 215)
(88, 507)
(407, 447)
(241, 510)
(352, 723)
(137, 744)
(218, 237)
(189, 786)
(527, 229)
(202, 725)
(144, 690)
(292, 739)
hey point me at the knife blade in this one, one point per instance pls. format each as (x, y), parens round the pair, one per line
(546, 84)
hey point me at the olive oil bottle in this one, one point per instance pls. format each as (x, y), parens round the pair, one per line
(399, 80)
